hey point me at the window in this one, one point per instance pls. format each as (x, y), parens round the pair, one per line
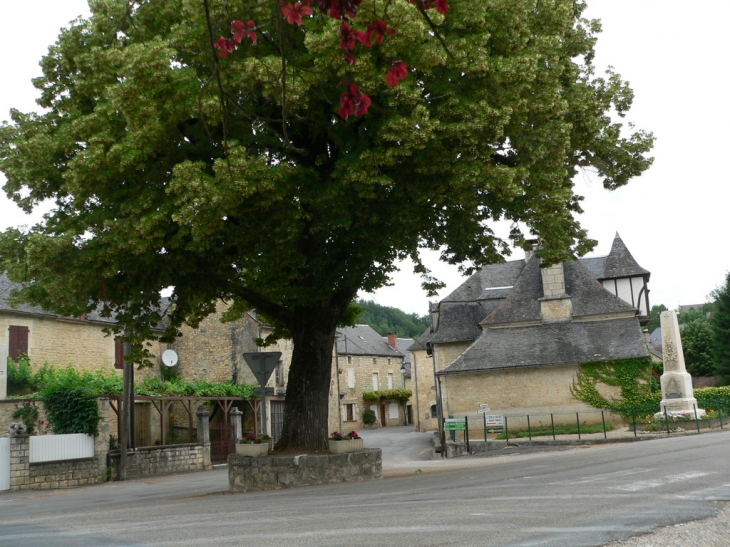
(280, 373)
(375, 361)
(119, 353)
(350, 412)
(375, 381)
(388, 362)
(351, 378)
(390, 380)
(18, 342)
(349, 360)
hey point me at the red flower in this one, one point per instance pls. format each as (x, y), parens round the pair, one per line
(354, 102)
(241, 30)
(397, 72)
(293, 13)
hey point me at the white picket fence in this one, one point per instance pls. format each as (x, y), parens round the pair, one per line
(49, 448)
(4, 463)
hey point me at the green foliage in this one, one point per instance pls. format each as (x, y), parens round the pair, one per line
(20, 375)
(28, 413)
(697, 346)
(398, 394)
(71, 409)
(368, 416)
(721, 330)
(634, 376)
(250, 188)
(385, 319)
(654, 321)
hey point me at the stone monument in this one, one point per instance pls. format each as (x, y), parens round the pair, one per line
(677, 395)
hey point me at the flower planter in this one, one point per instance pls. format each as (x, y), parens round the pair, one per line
(251, 449)
(340, 447)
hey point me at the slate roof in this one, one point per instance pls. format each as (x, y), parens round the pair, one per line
(363, 340)
(7, 286)
(552, 344)
(458, 322)
(620, 263)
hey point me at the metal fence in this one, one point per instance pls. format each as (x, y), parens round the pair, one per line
(48, 448)
(630, 421)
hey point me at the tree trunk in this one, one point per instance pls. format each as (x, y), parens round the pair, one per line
(308, 389)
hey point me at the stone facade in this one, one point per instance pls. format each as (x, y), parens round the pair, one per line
(247, 474)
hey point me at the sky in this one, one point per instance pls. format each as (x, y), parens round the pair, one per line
(674, 218)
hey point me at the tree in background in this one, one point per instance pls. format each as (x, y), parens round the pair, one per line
(290, 163)
(721, 330)
(654, 322)
(385, 319)
(697, 345)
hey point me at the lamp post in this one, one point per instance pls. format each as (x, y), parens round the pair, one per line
(403, 374)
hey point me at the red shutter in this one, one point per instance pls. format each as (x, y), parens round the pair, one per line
(18, 341)
(119, 353)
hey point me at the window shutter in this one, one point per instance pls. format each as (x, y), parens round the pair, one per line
(18, 341)
(119, 353)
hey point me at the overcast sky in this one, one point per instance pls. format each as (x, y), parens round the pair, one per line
(674, 219)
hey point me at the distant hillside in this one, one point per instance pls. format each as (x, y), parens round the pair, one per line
(384, 319)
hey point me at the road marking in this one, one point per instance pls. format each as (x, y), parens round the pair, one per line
(669, 479)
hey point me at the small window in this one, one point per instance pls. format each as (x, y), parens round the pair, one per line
(349, 360)
(350, 412)
(375, 361)
(388, 362)
(119, 353)
(280, 373)
(434, 410)
(18, 345)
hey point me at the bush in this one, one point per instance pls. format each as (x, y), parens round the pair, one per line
(20, 375)
(71, 409)
(368, 416)
(28, 413)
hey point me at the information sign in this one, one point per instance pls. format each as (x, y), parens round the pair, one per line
(454, 425)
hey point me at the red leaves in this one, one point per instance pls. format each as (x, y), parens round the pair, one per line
(240, 31)
(397, 72)
(377, 28)
(442, 6)
(354, 102)
(294, 12)
(338, 9)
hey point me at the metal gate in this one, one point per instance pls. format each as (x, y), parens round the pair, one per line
(277, 420)
(221, 442)
(4, 463)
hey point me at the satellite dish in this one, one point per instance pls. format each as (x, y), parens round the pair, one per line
(169, 357)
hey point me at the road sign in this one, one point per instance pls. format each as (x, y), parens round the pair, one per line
(494, 420)
(453, 424)
(262, 364)
(260, 391)
(483, 408)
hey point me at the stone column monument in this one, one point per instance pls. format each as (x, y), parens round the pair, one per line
(676, 382)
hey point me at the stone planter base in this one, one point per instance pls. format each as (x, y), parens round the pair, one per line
(341, 447)
(255, 450)
(276, 472)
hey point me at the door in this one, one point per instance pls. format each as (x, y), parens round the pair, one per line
(409, 414)
(277, 420)
(382, 415)
(4, 463)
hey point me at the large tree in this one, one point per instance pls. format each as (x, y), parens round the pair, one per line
(266, 169)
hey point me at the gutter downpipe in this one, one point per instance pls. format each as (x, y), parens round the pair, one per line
(439, 404)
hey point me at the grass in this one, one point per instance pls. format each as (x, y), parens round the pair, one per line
(560, 429)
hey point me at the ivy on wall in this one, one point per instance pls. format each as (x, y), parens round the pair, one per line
(399, 394)
(634, 377)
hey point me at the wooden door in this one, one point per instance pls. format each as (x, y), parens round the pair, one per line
(382, 415)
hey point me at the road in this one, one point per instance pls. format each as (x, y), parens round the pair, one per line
(580, 497)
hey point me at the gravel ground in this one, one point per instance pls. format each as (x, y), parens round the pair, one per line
(712, 532)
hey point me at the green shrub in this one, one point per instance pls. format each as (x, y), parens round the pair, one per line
(20, 375)
(71, 409)
(398, 394)
(368, 416)
(28, 413)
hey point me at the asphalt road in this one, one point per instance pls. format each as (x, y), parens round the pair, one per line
(580, 497)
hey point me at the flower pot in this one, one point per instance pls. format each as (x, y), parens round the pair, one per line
(254, 450)
(340, 447)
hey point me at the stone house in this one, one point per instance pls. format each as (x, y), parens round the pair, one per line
(368, 362)
(49, 338)
(514, 335)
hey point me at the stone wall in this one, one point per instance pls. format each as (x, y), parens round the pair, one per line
(159, 460)
(60, 474)
(246, 474)
(422, 367)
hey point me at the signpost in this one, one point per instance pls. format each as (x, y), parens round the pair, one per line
(262, 364)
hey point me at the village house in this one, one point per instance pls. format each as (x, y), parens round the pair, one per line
(514, 335)
(368, 362)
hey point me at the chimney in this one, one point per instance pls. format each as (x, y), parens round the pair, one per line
(433, 309)
(393, 340)
(555, 305)
(530, 248)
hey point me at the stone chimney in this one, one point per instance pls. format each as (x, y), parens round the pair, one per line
(530, 248)
(393, 340)
(433, 309)
(555, 304)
